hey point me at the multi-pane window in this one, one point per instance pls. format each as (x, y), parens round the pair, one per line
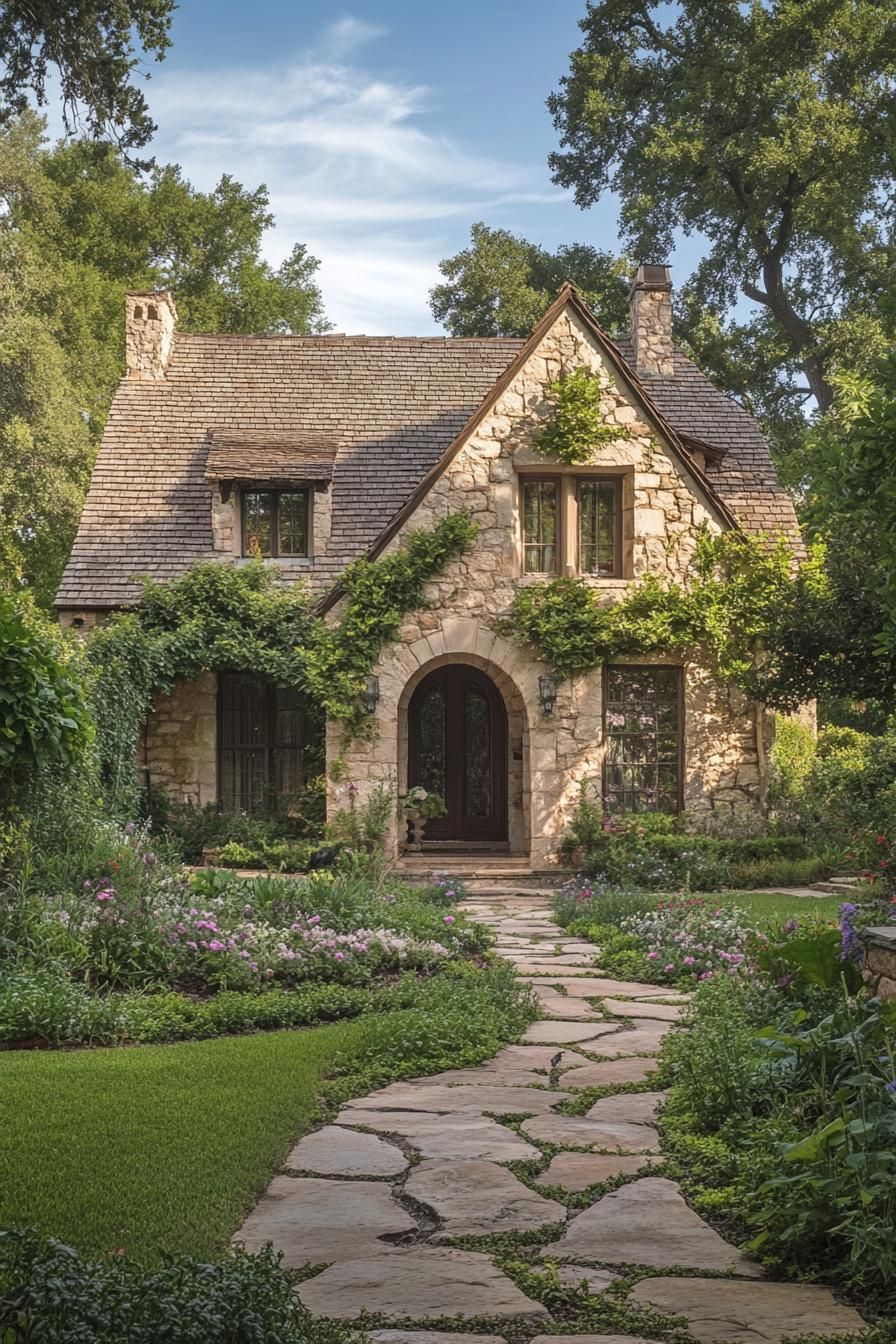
(541, 500)
(643, 739)
(276, 522)
(269, 743)
(599, 527)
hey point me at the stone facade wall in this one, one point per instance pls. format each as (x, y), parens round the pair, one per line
(666, 510)
(180, 741)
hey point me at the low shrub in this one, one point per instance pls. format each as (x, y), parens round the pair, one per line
(192, 830)
(781, 1119)
(638, 856)
(51, 1293)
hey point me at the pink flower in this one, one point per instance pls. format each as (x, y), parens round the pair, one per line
(689, 961)
(449, 919)
(652, 956)
(315, 919)
(216, 945)
(338, 956)
(668, 968)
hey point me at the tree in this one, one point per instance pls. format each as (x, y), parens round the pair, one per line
(501, 284)
(770, 129)
(78, 227)
(91, 47)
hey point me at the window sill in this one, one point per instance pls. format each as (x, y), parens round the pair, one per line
(280, 561)
(593, 580)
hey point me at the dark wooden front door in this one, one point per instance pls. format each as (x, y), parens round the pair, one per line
(457, 736)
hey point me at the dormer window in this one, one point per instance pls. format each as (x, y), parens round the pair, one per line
(276, 523)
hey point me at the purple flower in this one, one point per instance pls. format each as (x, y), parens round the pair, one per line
(891, 1087)
(449, 919)
(149, 858)
(850, 947)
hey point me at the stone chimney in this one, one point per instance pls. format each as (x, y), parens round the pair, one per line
(148, 334)
(650, 298)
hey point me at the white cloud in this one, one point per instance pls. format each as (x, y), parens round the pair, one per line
(354, 167)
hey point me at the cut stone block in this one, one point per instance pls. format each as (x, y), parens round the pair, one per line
(638, 1108)
(727, 1311)
(559, 1006)
(313, 1220)
(576, 1171)
(446, 1135)
(475, 1198)
(628, 1069)
(577, 1131)
(597, 987)
(595, 1280)
(421, 1283)
(649, 1223)
(332, 1151)
(464, 1099)
(541, 1033)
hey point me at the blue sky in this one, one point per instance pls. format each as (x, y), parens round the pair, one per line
(383, 131)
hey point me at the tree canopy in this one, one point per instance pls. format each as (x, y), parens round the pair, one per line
(501, 284)
(78, 227)
(768, 128)
(90, 48)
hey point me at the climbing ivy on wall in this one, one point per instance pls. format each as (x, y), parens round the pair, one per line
(221, 617)
(735, 593)
(576, 427)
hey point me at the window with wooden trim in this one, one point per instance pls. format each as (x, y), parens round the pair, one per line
(269, 743)
(643, 739)
(276, 523)
(599, 526)
(541, 524)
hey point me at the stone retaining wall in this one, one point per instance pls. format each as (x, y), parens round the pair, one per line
(879, 969)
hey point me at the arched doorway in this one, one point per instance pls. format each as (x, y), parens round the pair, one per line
(457, 747)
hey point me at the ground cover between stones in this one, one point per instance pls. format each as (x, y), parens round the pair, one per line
(355, 1203)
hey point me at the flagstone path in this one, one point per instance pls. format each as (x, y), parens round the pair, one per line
(371, 1198)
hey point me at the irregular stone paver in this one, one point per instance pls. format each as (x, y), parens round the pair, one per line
(645, 1039)
(649, 1223)
(595, 1280)
(446, 1135)
(596, 987)
(576, 1171)
(312, 1220)
(728, 1311)
(332, 1151)
(430, 1337)
(662, 1012)
(462, 1099)
(577, 1131)
(625, 1070)
(639, 1108)
(539, 1057)
(483, 1075)
(591, 1339)
(558, 1005)
(562, 1032)
(422, 1283)
(476, 1198)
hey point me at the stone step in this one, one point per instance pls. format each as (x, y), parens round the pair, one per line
(833, 887)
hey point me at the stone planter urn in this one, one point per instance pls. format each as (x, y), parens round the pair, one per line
(418, 807)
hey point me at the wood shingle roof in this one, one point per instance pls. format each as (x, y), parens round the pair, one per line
(377, 412)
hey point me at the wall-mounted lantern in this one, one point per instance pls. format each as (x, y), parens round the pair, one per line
(547, 694)
(371, 694)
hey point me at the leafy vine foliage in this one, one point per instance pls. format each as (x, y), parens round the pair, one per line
(736, 591)
(221, 617)
(576, 428)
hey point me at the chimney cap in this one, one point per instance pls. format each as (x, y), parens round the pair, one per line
(652, 277)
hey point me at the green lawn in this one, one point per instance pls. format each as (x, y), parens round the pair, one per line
(155, 1149)
(766, 908)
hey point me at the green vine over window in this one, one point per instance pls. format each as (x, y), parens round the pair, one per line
(737, 588)
(222, 617)
(577, 427)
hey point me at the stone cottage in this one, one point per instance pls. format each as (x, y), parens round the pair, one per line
(313, 450)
